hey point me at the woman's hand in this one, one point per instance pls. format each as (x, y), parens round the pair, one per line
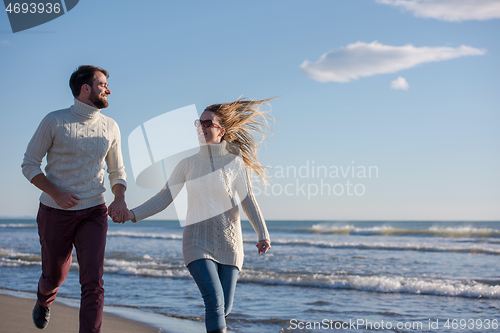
(263, 246)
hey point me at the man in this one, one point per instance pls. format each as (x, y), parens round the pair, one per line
(78, 142)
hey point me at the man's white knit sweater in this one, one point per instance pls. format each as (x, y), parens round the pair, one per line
(213, 228)
(78, 142)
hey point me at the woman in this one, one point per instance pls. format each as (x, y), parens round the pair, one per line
(212, 239)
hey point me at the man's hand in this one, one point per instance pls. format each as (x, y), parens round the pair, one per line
(118, 208)
(66, 200)
(63, 199)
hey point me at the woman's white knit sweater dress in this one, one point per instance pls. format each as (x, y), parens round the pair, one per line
(212, 178)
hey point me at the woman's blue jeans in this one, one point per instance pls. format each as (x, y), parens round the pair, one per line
(217, 283)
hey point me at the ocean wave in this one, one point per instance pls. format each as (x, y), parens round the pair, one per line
(10, 258)
(18, 225)
(142, 235)
(11, 254)
(6, 262)
(125, 263)
(437, 231)
(145, 268)
(381, 284)
(422, 247)
(168, 268)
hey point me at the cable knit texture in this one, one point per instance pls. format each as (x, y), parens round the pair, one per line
(213, 229)
(78, 142)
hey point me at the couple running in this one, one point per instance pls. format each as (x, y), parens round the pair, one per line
(79, 141)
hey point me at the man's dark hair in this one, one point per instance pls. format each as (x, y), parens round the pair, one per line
(84, 75)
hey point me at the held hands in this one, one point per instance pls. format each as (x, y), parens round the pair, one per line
(129, 215)
(117, 210)
(263, 246)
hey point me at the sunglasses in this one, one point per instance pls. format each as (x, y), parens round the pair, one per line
(205, 123)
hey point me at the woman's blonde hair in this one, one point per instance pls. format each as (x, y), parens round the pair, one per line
(242, 119)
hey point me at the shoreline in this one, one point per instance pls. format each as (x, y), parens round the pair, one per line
(16, 308)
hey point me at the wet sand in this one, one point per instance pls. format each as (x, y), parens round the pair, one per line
(15, 317)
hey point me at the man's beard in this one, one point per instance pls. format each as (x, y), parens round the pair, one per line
(99, 102)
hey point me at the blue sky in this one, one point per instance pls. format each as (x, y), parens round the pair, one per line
(434, 144)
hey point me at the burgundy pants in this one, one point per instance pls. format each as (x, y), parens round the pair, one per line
(86, 229)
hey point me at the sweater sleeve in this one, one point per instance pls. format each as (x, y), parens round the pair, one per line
(38, 146)
(249, 204)
(165, 197)
(114, 158)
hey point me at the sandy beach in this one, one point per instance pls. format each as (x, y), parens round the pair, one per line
(15, 316)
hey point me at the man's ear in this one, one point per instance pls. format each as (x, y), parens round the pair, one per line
(85, 88)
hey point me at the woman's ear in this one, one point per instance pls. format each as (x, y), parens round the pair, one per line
(222, 132)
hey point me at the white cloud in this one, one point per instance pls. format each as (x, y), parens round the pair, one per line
(362, 60)
(400, 83)
(449, 10)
